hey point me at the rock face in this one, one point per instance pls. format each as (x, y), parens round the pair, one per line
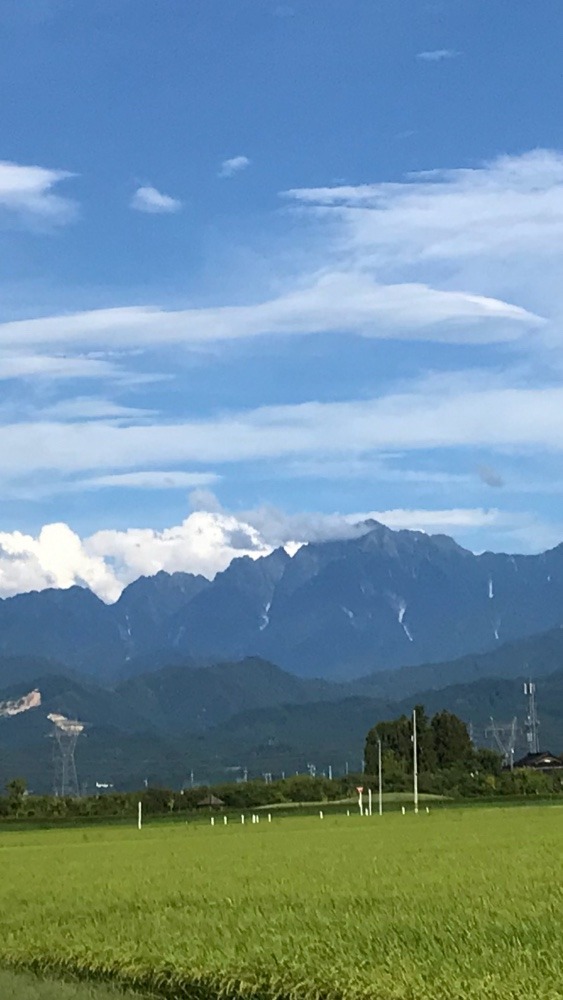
(18, 705)
(336, 609)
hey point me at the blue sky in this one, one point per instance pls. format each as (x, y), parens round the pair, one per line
(280, 264)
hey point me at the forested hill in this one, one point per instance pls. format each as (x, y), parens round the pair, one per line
(215, 719)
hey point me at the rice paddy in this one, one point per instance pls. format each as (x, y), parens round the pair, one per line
(459, 904)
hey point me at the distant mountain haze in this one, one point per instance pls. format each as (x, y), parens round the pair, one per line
(336, 610)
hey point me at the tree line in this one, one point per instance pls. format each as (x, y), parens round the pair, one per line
(448, 765)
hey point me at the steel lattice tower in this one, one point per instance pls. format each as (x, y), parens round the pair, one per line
(65, 734)
(504, 738)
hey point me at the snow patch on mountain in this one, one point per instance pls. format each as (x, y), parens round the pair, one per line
(402, 622)
(265, 621)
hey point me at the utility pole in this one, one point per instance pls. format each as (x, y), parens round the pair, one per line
(415, 760)
(380, 777)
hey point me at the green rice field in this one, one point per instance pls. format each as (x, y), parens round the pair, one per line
(451, 905)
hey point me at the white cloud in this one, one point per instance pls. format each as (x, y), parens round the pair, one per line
(439, 520)
(456, 256)
(511, 206)
(204, 543)
(55, 558)
(41, 458)
(233, 166)
(53, 367)
(27, 191)
(338, 302)
(437, 55)
(148, 199)
(430, 416)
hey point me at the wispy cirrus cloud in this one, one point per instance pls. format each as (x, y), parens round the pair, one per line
(149, 480)
(469, 257)
(429, 417)
(233, 166)
(153, 202)
(437, 55)
(339, 302)
(512, 205)
(28, 193)
(53, 367)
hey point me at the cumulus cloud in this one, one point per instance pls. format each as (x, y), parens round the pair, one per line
(28, 192)
(233, 166)
(55, 558)
(205, 542)
(148, 199)
(437, 55)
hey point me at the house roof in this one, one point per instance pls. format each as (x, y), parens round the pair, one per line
(211, 800)
(544, 760)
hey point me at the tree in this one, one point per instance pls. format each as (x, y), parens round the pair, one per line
(16, 789)
(425, 741)
(452, 745)
(397, 739)
(488, 761)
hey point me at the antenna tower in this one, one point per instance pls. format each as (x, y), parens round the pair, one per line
(65, 733)
(532, 723)
(504, 738)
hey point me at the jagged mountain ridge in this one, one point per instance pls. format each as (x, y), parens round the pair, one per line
(337, 610)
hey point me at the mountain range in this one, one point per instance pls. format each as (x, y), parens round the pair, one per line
(279, 662)
(335, 610)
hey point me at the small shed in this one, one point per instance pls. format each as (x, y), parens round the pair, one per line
(211, 802)
(545, 761)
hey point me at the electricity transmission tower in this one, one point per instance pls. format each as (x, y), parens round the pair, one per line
(65, 734)
(504, 736)
(532, 723)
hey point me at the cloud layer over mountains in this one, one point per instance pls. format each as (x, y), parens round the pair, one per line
(204, 543)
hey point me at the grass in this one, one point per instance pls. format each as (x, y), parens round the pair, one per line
(455, 905)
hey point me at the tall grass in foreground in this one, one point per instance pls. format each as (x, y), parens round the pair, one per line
(464, 904)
